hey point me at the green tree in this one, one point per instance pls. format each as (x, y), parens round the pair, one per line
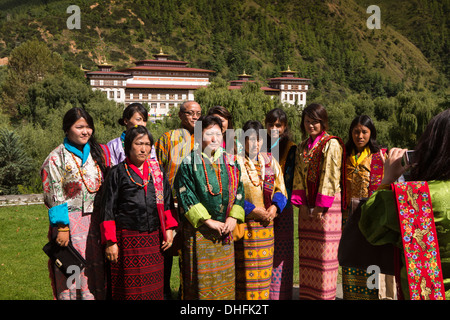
(28, 63)
(15, 164)
(47, 102)
(248, 103)
(414, 111)
(50, 96)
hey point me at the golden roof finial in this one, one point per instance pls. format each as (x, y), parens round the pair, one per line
(244, 74)
(289, 70)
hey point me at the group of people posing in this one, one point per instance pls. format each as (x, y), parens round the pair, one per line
(224, 206)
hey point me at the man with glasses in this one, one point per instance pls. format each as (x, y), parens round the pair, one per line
(171, 148)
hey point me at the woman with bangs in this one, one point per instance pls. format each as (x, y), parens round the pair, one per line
(137, 224)
(265, 199)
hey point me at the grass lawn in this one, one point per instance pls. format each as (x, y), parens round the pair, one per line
(175, 283)
(23, 264)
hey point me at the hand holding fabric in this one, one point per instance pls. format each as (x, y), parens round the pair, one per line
(318, 212)
(258, 214)
(272, 212)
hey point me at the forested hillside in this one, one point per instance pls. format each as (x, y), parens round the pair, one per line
(398, 74)
(327, 41)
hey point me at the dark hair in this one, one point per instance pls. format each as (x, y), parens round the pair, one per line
(205, 121)
(367, 122)
(316, 112)
(208, 120)
(253, 125)
(223, 112)
(131, 134)
(130, 110)
(278, 114)
(432, 150)
(72, 116)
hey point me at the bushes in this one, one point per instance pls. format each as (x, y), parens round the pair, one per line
(15, 164)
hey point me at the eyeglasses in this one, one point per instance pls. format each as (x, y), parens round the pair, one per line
(193, 113)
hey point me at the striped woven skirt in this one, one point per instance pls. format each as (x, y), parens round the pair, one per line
(283, 256)
(254, 262)
(318, 248)
(139, 271)
(206, 265)
(354, 283)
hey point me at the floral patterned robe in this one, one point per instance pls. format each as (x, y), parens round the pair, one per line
(63, 185)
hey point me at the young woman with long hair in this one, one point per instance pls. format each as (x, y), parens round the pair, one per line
(413, 215)
(364, 171)
(283, 149)
(72, 177)
(317, 193)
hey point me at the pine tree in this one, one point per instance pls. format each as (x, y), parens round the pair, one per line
(15, 164)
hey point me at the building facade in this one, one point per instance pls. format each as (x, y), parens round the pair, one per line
(288, 88)
(164, 83)
(160, 82)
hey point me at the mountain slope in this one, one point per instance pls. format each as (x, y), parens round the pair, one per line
(327, 42)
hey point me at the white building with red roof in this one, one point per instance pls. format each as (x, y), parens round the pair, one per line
(160, 82)
(164, 83)
(113, 83)
(288, 88)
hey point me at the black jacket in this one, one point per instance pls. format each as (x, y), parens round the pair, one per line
(127, 204)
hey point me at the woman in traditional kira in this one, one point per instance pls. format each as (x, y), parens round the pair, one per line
(210, 195)
(364, 171)
(316, 191)
(72, 177)
(137, 222)
(283, 148)
(265, 199)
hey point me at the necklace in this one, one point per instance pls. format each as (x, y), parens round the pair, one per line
(136, 183)
(247, 167)
(99, 178)
(207, 180)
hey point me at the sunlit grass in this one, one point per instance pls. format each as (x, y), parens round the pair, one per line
(23, 264)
